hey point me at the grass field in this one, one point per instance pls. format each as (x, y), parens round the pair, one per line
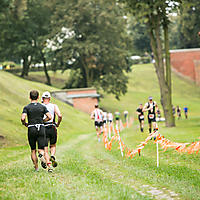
(86, 170)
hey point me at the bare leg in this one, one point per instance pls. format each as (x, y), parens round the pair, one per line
(53, 149)
(34, 158)
(46, 156)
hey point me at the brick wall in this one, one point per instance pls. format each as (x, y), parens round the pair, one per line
(85, 104)
(183, 61)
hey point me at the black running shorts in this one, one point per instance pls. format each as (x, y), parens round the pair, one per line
(35, 136)
(98, 124)
(51, 134)
(151, 120)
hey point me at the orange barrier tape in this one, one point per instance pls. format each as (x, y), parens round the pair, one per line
(165, 143)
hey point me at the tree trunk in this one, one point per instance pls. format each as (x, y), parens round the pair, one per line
(45, 69)
(25, 68)
(170, 120)
(165, 92)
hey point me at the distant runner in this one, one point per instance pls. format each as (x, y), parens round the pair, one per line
(125, 115)
(151, 106)
(105, 118)
(117, 117)
(178, 111)
(36, 130)
(97, 115)
(140, 117)
(186, 112)
(110, 117)
(51, 126)
(174, 110)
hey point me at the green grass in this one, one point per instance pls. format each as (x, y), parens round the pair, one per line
(85, 169)
(58, 78)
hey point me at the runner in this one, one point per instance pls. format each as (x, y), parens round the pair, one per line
(36, 130)
(97, 115)
(110, 117)
(50, 126)
(178, 111)
(125, 115)
(104, 119)
(140, 117)
(158, 114)
(151, 106)
(186, 112)
(117, 117)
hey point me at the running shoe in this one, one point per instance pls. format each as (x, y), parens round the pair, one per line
(50, 170)
(53, 161)
(43, 161)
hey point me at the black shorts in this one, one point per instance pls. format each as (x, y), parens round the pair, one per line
(117, 118)
(110, 121)
(151, 120)
(51, 135)
(98, 124)
(140, 120)
(104, 121)
(35, 136)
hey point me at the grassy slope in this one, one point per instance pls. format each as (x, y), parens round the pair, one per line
(14, 94)
(87, 171)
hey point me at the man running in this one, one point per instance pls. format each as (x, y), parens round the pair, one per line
(140, 117)
(36, 130)
(178, 111)
(97, 115)
(50, 126)
(117, 117)
(151, 106)
(125, 115)
(186, 112)
(104, 119)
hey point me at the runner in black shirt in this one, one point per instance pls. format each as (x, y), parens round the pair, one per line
(151, 106)
(36, 130)
(140, 117)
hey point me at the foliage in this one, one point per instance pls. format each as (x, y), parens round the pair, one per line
(91, 37)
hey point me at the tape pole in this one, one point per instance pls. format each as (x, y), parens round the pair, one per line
(120, 145)
(157, 154)
(109, 131)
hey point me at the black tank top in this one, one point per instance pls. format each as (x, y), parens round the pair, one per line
(35, 113)
(149, 111)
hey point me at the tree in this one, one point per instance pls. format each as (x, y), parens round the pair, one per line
(91, 38)
(155, 14)
(189, 25)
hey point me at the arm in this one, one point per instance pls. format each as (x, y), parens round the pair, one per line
(92, 115)
(48, 117)
(23, 119)
(145, 108)
(58, 113)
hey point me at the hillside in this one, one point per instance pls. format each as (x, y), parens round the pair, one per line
(85, 169)
(14, 94)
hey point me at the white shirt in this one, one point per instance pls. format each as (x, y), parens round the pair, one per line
(98, 115)
(110, 116)
(51, 108)
(105, 116)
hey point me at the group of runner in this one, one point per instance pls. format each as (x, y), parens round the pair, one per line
(102, 118)
(152, 108)
(178, 111)
(42, 129)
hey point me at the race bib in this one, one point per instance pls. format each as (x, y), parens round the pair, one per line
(141, 116)
(151, 116)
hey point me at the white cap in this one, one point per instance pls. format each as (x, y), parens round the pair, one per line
(46, 95)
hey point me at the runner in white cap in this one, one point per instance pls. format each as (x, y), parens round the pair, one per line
(97, 115)
(51, 126)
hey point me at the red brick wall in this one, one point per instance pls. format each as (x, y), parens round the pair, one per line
(89, 91)
(85, 104)
(183, 61)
